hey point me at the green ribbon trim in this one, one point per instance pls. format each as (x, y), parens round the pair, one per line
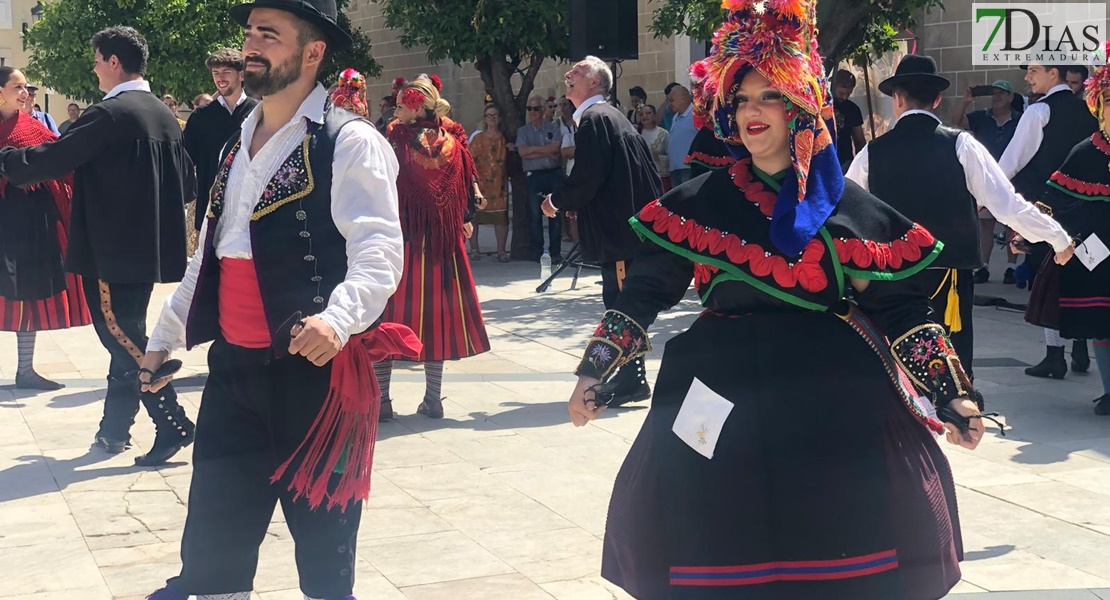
(838, 271)
(1077, 194)
(732, 272)
(897, 275)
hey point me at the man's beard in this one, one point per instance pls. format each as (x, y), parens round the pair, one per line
(271, 81)
(231, 90)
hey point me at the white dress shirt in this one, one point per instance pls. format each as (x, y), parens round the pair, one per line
(135, 85)
(990, 187)
(1028, 135)
(363, 206)
(223, 101)
(592, 100)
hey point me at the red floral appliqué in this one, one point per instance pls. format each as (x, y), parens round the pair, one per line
(754, 190)
(806, 272)
(866, 254)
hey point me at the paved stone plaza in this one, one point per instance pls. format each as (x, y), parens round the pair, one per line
(504, 499)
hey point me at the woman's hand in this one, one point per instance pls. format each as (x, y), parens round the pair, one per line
(480, 202)
(581, 411)
(965, 407)
(468, 229)
(152, 361)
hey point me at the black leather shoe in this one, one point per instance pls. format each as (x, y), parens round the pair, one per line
(174, 429)
(1102, 406)
(34, 381)
(110, 445)
(1080, 359)
(433, 409)
(981, 276)
(166, 445)
(641, 393)
(1053, 365)
(386, 413)
(1008, 277)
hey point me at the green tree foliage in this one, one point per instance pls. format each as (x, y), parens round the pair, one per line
(180, 33)
(506, 40)
(848, 28)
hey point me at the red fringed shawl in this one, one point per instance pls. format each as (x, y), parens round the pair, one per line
(436, 176)
(22, 131)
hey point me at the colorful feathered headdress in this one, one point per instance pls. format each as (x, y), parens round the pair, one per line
(350, 87)
(1097, 83)
(777, 39)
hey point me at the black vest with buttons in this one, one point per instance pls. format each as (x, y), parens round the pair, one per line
(915, 169)
(1069, 123)
(299, 255)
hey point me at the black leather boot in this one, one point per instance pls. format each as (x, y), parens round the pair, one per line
(1102, 405)
(174, 430)
(1080, 359)
(631, 384)
(1054, 365)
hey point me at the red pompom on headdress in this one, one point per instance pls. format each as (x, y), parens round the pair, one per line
(398, 83)
(436, 82)
(1098, 82)
(412, 98)
(349, 89)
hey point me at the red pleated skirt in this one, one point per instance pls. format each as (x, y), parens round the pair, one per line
(62, 311)
(438, 301)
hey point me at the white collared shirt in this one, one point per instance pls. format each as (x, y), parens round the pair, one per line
(363, 206)
(592, 100)
(223, 101)
(990, 187)
(135, 85)
(1028, 135)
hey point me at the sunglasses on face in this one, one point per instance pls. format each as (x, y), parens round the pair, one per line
(534, 108)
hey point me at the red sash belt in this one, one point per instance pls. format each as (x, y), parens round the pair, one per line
(242, 319)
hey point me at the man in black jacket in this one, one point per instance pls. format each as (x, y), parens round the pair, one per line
(130, 179)
(210, 127)
(613, 178)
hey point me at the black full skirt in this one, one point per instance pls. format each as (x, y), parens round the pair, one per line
(822, 485)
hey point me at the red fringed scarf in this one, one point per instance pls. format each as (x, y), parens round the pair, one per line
(436, 176)
(22, 131)
(347, 425)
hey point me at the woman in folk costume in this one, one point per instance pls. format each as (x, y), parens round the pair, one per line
(36, 294)
(350, 92)
(789, 451)
(437, 195)
(1079, 197)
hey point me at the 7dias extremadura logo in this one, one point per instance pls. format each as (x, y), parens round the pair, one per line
(1049, 34)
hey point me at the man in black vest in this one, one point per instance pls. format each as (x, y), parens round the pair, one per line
(131, 175)
(1046, 133)
(939, 176)
(301, 250)
(614, 176)
(210, 127)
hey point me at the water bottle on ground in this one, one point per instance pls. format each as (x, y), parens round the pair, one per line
(545, 266)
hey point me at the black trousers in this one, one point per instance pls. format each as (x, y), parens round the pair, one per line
(634, 373)
(964, 340)
(119, 317)
(253, 415)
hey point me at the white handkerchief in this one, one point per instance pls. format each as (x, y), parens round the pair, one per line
(701, 418)
(1092, 252)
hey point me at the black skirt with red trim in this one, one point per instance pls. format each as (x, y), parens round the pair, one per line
(822, 484)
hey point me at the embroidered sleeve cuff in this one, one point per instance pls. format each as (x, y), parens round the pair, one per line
(617, 340)
(927, 356)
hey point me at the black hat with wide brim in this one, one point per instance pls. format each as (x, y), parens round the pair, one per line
(915, 67)
(321, 13)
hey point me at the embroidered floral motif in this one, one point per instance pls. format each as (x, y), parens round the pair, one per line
(292, 181)
(617, 340)
(219, 186)
(866, 254)
(806, 272)
(927, 356)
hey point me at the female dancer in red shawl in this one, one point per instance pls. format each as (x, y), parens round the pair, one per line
(349, 92)
(36, 294)
(436, 297)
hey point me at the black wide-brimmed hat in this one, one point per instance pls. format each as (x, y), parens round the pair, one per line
(915, 67)
(321, 13)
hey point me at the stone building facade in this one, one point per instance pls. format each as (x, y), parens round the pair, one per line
(659, 60)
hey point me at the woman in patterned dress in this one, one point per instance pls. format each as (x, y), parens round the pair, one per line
(437, 194)
(490, 149)
(36, 294)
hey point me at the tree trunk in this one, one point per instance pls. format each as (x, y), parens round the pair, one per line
(839, 24)
(497, 74)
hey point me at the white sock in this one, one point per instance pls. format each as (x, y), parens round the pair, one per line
(1052, 338)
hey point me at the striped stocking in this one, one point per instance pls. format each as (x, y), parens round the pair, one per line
(433, 376)
(383, 371)
(25, 347)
